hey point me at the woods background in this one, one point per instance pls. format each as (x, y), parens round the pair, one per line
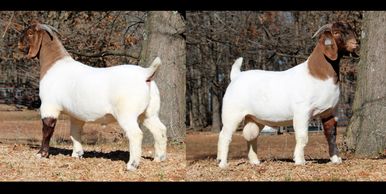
(100, 39)
(272, 40)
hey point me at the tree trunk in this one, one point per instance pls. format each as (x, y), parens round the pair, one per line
(366, 133)
(216, 119)
(164, 38)
(216, 96)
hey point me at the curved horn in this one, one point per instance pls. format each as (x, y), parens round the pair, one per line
(49, 29)
(53, 28)
(322, 29)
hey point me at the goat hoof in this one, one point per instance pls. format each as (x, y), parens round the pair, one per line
(254, 162)
(300, 162)
(336, 159)
(42, 154)
(132, 166)
(223, 165)
(77, 154)
(160, 158)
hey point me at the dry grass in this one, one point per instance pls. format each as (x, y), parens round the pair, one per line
(275, 153)
(106, 155)
(100, 163)
(105, 158)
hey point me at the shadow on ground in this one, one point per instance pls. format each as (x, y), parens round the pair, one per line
(117, 155)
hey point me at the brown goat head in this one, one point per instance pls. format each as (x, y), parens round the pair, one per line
(334, 41)
(31, 39)
(344, 37)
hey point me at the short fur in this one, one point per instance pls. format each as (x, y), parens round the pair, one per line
(120, 93)
(291, 97)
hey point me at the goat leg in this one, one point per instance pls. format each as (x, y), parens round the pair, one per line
(329, 126)
(48, 129)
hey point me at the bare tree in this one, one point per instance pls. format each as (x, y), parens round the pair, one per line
(165, 38)
(366, 134)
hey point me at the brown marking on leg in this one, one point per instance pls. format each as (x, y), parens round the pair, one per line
(329, 126)
(48, 130)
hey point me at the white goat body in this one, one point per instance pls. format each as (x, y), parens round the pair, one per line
(291, 97)
(273, 97)
(125, 93)
(88, 93)
(105, 95)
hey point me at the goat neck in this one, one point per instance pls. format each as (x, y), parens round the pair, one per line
(323, 65)
(335, 65)
(51, 50)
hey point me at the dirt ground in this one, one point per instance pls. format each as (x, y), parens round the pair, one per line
(105, 158)
(106, 155)
(275, 153)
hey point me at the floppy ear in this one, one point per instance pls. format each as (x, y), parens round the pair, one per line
(35, 43)
(328, 45)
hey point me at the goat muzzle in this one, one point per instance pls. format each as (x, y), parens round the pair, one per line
(22, 48)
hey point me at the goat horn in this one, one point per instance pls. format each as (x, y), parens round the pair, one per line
(49, 29)
(53, 28)
(322, 29)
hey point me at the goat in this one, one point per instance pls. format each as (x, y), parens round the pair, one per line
(123, 93)
(291, 97)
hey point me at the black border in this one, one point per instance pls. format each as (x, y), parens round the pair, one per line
(192, 187)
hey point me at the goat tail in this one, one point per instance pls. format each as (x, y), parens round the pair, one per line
(153, 68)
(236, 68)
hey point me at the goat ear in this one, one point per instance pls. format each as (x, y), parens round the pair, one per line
(34, 46)
(328, 45)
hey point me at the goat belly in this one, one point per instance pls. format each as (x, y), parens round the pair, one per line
(272, 123)
(86, 114)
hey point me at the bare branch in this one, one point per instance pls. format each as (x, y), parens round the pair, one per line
(133, 24)
(291, 56)
(9, 23)
(104, 53)
(112, 28)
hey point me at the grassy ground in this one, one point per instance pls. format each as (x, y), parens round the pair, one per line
(275, 153)
(100, 163)
(105, 158)
(106, 155)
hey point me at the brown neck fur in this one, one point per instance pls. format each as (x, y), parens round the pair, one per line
(319, 67)
(50, 52)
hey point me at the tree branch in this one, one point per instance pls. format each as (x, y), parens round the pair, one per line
(133, 24)
(104, 53)
(291, 56)
(9, 23)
